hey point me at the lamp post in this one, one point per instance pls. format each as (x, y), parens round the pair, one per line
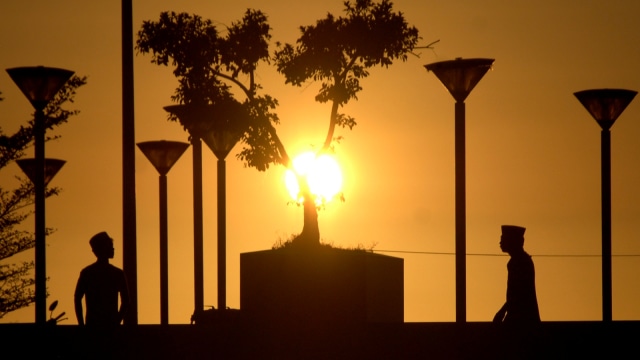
(221, 138)
(40, 85)
(220, 126)
(460, 76)
(605, 105)
(129, 241)
(163, 154)
(187, 114)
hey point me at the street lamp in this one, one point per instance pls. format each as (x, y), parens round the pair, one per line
(51, 168)
(460, 76)
(188, 115)
(220, 125)
(163, 154)
(224, 133)
(605, 105)
(40, 85)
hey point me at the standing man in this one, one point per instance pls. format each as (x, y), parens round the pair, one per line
(100, 284)
(521, 307)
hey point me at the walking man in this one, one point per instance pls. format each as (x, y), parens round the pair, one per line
(521, 307)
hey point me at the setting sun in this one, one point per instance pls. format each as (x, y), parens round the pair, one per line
(322, 172)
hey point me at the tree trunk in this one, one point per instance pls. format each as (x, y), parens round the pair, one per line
(310, 234)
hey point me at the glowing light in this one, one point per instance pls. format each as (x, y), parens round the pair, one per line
(322, 173)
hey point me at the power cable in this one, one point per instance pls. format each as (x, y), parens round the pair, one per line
(481, 254)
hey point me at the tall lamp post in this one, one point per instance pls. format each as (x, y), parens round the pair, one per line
(187, 114)
(221, 138)
(460, 76)
(40, 85)
(129, 241)
(605, 105)
(163, 154)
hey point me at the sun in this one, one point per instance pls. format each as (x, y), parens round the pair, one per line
(322, 173)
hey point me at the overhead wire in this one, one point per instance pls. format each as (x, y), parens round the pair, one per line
(488, 254)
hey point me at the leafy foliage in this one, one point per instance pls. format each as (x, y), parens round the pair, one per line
(16, 283)
(339, 51)
(208, 66)
(191, 45)
(16, 287)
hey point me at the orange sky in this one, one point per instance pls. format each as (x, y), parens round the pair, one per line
(533, 153)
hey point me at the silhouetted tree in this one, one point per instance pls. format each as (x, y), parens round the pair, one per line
(337, 52)
(16, 282)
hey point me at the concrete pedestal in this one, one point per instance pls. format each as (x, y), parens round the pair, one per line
(318, 286)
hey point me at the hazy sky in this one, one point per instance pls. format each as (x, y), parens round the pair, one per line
(533, 153)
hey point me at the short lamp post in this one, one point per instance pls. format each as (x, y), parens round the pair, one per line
(460, 76)
(40, 85)
(163, 154)
(605, 105)
(221, 138)
(219, 126)
(187, 114)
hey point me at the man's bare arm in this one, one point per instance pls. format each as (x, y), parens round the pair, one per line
(77, 299)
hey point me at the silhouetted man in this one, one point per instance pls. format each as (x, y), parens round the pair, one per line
(100, 284)
(521, 307)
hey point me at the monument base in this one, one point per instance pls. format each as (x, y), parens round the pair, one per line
(316, 286)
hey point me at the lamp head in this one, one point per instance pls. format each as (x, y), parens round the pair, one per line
(219, 125)
(39, 84)
(605, 105)
(51, 168)
(163, 154)
(460, 76)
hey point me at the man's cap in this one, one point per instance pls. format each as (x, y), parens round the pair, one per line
(513, 231)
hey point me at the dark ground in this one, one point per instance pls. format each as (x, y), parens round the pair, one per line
(245, 340)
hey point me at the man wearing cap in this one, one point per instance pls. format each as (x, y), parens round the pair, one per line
(521, 307)
(100, 284)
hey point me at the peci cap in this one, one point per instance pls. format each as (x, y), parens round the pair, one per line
(513, 231)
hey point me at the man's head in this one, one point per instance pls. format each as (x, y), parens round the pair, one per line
(102, 245)
(512, 238)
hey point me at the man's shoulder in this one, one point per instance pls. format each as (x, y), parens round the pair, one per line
(101, 267)
(88, 268)
(114, 269)
(520, 259)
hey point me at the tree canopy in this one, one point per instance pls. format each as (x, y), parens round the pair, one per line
(339, 51)
(209, 65)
